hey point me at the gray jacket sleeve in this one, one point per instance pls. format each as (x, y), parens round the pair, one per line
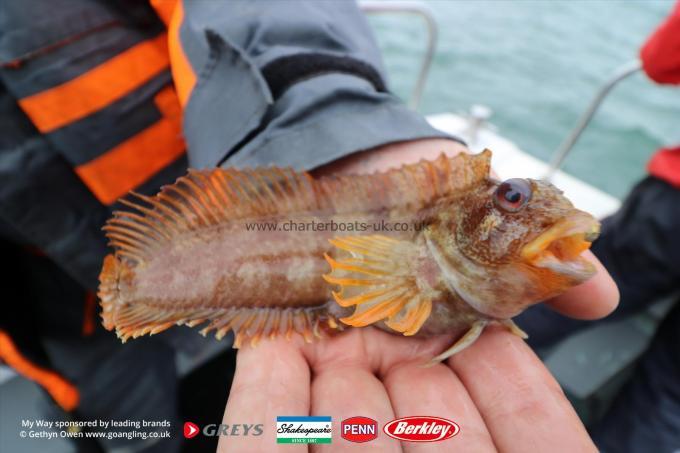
(297, 83)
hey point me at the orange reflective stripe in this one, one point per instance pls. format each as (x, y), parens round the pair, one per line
(97, 88)
(124, 167)
(164, 9)
(166, 101)
(62, 391)
(182, 72)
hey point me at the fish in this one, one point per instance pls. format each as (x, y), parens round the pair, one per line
(436, 247)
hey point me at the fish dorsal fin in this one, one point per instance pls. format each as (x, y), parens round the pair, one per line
(375, 275)
(410, 185)
(206, 198)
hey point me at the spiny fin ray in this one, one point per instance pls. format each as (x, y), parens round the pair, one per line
(375, 276)
(248, 324)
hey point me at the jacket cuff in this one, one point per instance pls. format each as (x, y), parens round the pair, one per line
(312, 125)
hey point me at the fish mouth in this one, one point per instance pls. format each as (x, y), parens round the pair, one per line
(560, 247)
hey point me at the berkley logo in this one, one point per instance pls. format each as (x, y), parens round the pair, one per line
(359, 429)
(421, 429)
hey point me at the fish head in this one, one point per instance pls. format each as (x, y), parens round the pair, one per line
(516, 243)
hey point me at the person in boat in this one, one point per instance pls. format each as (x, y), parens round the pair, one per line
(99, 98)
(640, 247)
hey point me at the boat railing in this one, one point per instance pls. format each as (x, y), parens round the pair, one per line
(418, 9)
(567, 145)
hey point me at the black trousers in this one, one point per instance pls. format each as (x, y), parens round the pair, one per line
(640, 246)
(44, 315)
(136, 381)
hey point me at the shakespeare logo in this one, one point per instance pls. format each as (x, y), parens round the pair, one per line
(304, 430)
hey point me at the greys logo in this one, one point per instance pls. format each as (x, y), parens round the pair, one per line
(214, 430)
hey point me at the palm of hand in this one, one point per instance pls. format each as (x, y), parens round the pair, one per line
(497, 390)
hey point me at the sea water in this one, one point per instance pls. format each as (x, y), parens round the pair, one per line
(537, 64)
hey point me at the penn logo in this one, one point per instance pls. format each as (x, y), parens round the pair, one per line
(359, 429)
(421, 429)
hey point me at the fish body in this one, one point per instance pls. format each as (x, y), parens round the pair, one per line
(430, 248)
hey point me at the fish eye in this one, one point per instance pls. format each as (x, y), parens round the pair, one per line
(512, 195)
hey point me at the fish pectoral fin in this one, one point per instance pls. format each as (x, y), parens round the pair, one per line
(375, 275)
(412, 317)
(462, 343)
(514, 329)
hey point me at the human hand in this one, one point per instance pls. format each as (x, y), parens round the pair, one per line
(497, 390)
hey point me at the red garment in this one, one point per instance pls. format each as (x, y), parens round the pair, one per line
(665, 164)
(661, 62)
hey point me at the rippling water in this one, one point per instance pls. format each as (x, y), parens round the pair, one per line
(537, 64)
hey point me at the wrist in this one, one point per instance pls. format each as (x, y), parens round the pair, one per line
(392, 155)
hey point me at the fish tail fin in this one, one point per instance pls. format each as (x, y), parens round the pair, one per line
(112, 271)
(375, 274)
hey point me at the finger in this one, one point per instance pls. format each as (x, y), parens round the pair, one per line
(272, 379)
(438, 392)
(593, 299)
(522, 405)
(344, 386)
